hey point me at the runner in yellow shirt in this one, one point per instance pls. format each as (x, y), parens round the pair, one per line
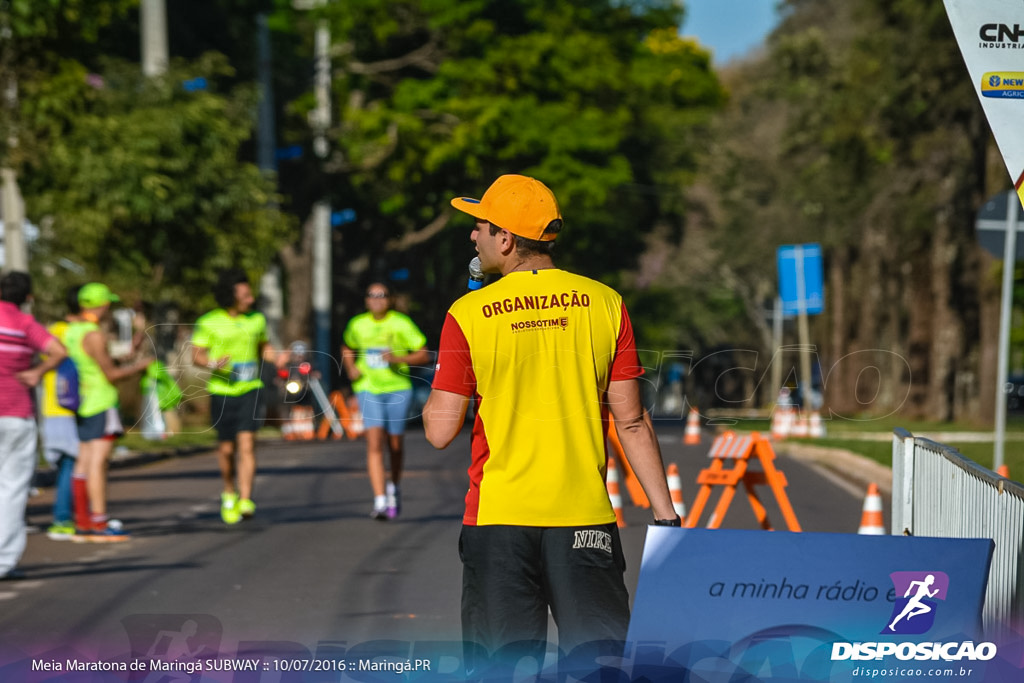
(379, 347)
(231, 342)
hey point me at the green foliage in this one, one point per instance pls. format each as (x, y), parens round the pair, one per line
(138, 180)
(601, 100)
(42, 19)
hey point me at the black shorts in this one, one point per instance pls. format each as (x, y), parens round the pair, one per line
(512, 575)
(231, 415)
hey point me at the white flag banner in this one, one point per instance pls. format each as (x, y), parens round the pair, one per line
(991, 37)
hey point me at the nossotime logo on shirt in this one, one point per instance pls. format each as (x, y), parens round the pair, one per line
(544, 324)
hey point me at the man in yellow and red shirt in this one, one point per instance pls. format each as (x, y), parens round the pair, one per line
(545, 355)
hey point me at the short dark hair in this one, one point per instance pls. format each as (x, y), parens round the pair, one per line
(15, 287)
(224, 290)
(528, 247)
(71, 300)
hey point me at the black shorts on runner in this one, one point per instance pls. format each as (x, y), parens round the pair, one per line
(231, 415)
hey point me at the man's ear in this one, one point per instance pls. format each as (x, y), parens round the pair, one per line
(508, 242)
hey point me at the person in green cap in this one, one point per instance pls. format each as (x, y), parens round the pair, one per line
(99, 422)
(230, 342)
(379, 346)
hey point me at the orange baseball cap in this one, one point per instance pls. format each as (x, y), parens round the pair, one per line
(523, 206)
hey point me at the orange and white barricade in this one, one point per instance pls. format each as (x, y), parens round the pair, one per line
(632, 484)
(731, 459)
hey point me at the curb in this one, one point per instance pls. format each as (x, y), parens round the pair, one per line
(847, 464)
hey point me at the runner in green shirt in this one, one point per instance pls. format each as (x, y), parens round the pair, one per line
(98, 419)
(379, 346)
(231, 342)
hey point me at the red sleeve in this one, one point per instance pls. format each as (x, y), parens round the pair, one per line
(454, 369)
(626, 364)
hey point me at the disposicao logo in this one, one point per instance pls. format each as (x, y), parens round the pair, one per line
(917, 601)
(914, 613)
(1004, 85)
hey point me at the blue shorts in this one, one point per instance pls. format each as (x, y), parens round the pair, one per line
(105, 425)
(389, 411)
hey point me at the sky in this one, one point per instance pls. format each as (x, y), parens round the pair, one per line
(730, 28)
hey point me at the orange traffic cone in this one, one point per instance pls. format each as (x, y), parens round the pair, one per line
(357, 416)
(871, 523)
(301, 424)
(1003, 471)
(801, 428)
(692, 435)
(816, 429)
(782, 422)
(675, 488)
(308, 424)
(613, 492)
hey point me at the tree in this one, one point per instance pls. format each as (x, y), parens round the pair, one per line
(859, 130)
(602, 100)
(138, 182)
(139, 179)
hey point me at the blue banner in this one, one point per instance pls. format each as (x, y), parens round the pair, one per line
(728, 605)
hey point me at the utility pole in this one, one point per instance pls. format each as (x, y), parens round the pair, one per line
(12, 209)
(321, 120)
(270, 283)
(153, 32)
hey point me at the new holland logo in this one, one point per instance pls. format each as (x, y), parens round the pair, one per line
(914, 613)
(1003, 85)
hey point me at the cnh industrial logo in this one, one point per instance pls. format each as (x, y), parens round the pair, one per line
(918, 598)
(1001, 33)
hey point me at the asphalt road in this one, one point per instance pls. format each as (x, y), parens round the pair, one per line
(311, 574)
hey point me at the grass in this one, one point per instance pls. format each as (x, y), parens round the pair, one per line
(872, 438)
(134, 441)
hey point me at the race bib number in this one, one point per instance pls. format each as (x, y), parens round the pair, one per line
(243, 372)
(375, 359)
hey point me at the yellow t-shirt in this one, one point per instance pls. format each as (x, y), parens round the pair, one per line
(537, 350)
(48, 406)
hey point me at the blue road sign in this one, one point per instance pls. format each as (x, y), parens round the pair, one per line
(194, 84)
(801, 283)
(343, 217)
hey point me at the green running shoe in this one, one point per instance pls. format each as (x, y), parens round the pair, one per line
(246, 508)
(229, 511)
(61, 531)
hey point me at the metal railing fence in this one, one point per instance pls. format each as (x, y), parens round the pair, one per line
(938, 492)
